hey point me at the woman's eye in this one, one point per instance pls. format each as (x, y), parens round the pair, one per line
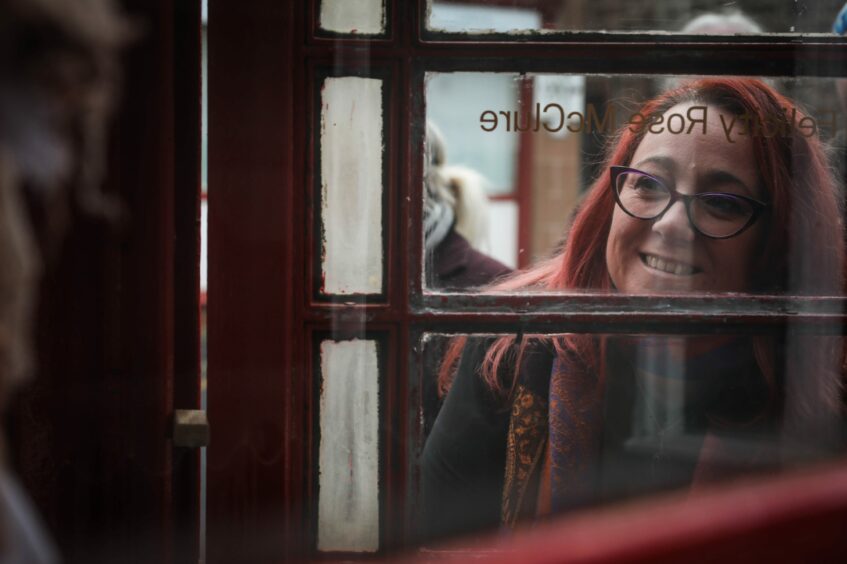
(725, 206)
(648, 185)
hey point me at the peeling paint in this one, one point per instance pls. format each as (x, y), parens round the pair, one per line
(348, 498)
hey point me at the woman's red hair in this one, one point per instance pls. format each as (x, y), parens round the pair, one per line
(802, 251)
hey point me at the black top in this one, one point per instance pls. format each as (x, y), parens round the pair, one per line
(465, 454)
(454, 265)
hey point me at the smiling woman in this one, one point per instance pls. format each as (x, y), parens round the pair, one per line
(696, 213)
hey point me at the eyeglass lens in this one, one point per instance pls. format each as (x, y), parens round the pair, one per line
(716, 215)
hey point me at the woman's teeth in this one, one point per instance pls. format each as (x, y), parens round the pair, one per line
(668, 266)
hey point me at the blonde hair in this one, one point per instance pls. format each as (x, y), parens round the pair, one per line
(470, 204)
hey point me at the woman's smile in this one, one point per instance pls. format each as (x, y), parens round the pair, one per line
(668, 266)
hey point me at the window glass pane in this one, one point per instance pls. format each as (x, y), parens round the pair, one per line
(348, 499)
(353, 16)
(351, 185)
(448, 16)
(634, 184)
(503, 241)
(451, 98)
(564, 422)
(712, 17)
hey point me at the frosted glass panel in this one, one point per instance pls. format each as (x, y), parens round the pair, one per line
(353, 16)
(351, 185)
(348, 499)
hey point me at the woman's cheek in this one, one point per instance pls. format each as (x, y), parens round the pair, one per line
(619, 246)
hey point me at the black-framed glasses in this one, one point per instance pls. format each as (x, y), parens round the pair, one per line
(717, 215)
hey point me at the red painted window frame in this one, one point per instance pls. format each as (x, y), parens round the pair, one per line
(799, 517)
(263, 315)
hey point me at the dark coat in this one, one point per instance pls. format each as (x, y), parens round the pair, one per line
(463, 461)
(455, 265)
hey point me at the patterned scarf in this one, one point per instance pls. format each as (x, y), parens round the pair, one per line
(560, 404)
(566, 423)
(575, 432)
(438, 218)
(438, 214)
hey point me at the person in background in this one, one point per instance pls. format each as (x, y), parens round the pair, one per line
(58, 76)
(726, 22)
(455, 238)
(455, 223)
(729, 22)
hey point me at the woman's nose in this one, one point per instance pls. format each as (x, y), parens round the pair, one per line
(674, 223)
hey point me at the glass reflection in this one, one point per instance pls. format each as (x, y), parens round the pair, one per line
(540, 424)
(720, 143)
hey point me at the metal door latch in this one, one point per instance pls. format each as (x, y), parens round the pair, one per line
(191, 428)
